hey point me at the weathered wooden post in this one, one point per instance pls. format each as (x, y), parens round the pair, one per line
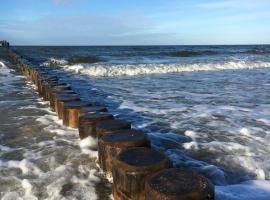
(55, 86)
(71, 112)
(92, 109)
(41, 78)
(87, 123)
(130, 170)
(42, 84)
(107, 126)
(111, 144)
(60, 93)
(178, 184)
(53, 89)
(60, 100)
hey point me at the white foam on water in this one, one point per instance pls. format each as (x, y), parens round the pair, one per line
(213, 172)
(55, 61)
(26, 166)
(6, 148)
(83, 186)
(191, 134)
(89, 146)
(130, 105)
(58, 176)
(143, 69)
(46, 143)
(43, 165)
(249, 190)
(7, 79)
(231, 153)
(12, 196)
(28, 190)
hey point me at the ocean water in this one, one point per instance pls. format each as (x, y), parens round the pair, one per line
(206, 107)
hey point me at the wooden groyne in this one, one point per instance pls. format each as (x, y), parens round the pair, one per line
(138, 172)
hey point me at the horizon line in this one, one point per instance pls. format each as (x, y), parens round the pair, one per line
(104, 45)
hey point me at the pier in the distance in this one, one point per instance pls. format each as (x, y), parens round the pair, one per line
(4, 43)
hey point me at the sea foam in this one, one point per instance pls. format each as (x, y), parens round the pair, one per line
(143, 69)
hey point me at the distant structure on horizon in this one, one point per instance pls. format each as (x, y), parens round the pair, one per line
(4, 43)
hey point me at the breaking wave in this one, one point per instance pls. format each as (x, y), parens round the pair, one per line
(109, 70)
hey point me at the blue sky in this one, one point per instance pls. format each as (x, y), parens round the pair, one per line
(140, 22)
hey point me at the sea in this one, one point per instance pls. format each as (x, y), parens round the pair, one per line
(205, 107)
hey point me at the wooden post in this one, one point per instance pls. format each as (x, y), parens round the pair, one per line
(92, 109)
(178, 184)
(55, 87)
(40, 76)
(59, 103)
(87, 123)
(107, 126)
(130, 170)
(71, 112)
(111, 144)
(60, 92)
(43, 81)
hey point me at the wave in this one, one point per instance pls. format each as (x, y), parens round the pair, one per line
(84, 59)
(73, 60)
(191, 53)
(258, 51)
(55, 61)
(187, 53)
(108, 70)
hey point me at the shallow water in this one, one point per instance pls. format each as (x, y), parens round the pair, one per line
(206, 111)
(41, 159)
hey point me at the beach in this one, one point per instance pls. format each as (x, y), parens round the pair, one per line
(205, 107)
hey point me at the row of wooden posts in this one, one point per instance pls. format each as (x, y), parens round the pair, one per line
(138, 172)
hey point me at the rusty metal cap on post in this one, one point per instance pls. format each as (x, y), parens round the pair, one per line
(125, 138)
(141, 159)
(179, 184)
(93, 117)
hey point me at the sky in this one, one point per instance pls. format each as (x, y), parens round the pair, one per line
(139, 22)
